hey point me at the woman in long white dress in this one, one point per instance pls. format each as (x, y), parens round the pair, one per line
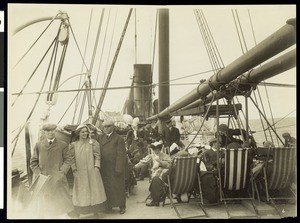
(88, 190)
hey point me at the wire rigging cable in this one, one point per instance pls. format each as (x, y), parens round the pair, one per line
(79, 83)
(263, 82)
(102, 50)
(111, 68)
(36, 101)
(34, 71)
(36, 40)
(88, 82)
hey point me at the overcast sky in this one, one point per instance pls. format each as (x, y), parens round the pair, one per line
(187, 51)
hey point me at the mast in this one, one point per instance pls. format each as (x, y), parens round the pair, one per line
(163, 64)
(163, 60)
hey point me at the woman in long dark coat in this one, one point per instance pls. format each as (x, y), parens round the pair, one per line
(113, 166)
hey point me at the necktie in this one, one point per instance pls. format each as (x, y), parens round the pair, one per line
(107, 136)
(50, 142)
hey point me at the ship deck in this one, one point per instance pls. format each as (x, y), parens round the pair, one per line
(137, 209)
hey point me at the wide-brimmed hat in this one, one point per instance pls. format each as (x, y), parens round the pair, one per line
(49, 127)
(212, 141)
(168, 121)
(156, 145)
(182, 153)
(79, 127)
(223, 127)
(286, 134)
(108, 123)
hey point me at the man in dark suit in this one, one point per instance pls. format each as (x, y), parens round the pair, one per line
(170, 135)
(113, 165)
(51, 157)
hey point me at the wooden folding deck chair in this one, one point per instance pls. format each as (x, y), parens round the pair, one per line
(236, 175)
(186, 172)
(280, 174)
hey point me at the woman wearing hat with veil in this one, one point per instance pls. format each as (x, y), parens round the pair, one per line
(88, 190)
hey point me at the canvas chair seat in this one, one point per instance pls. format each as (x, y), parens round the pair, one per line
(278, 174)
(185, 175)
(237, 177)
(236, 169)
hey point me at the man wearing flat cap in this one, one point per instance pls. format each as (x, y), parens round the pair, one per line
(51, 158)
(227, 135)
(113, 165)
(289, 141)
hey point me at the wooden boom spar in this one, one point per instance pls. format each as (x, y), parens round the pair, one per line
(282, 39)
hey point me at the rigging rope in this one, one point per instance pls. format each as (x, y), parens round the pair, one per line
(210, 44)
(34, 71)
(96, 42)
(82, 66)
(242, 33)
(37, 99)
(110, 45)
(81, 108)
(52, 74)
(267, 122)
(252, 27)
(261, 120)
(111, 68)
(36, 40)
(59, 71)
(154, 41)
(268, 99)
(78, 47)
(205, 116)
(205, 40)
(135, 37)
(92, 64)
(237, 31)
(102, 50)
(282, 118)
(69, 106)
(125, 87)
(263, 82)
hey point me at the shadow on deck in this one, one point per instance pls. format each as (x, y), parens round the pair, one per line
(137, 209)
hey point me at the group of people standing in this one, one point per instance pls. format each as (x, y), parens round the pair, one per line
(98, 168)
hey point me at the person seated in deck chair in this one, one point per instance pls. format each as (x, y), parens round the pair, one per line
(140, 153)
(158, 185)
(227, 137)
(160, 160)
(289, 141)
(208, 173)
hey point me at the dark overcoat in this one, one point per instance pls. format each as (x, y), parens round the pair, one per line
(170, 136)
(113, 165)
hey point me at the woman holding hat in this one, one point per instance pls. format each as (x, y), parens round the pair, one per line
(159, 160)
(88, 190)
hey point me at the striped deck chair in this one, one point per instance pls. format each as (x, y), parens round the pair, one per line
(185, 174)
(280, 174)
(236, 175)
